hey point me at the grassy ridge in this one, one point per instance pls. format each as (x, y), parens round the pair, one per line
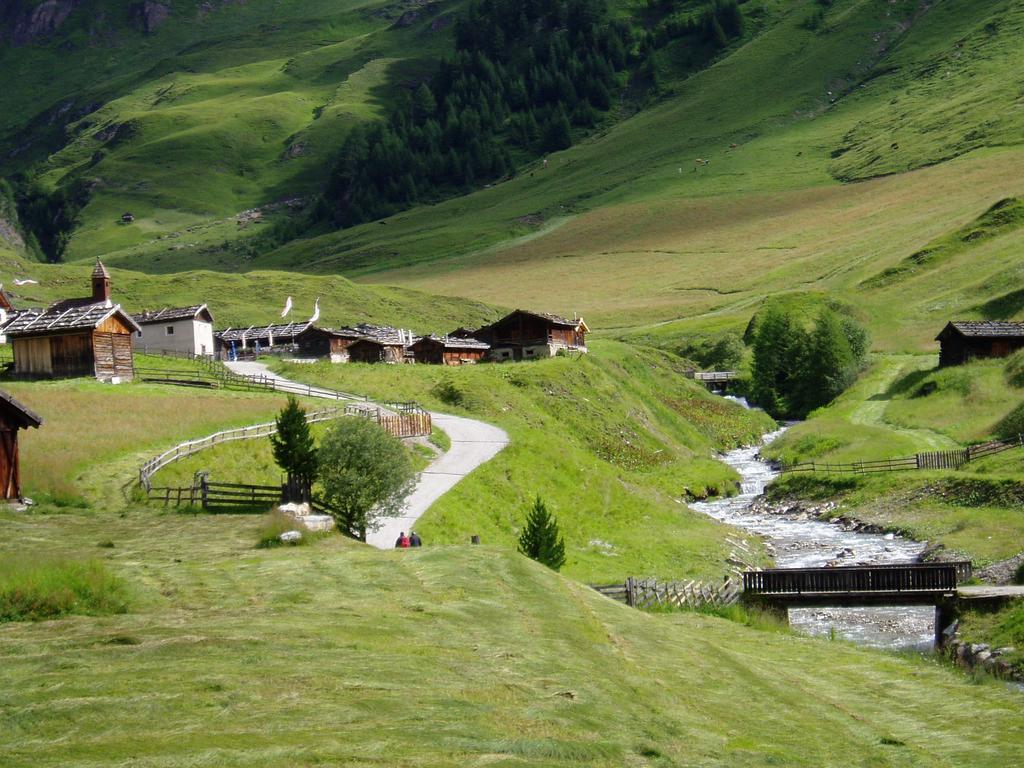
(335, 653)
(614, 442)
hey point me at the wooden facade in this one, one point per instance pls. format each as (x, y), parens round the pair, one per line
(432, 350)
(376, 351)
(326, 342)
(13, 417)
(524, 335)
(963, 341)
(75, 337)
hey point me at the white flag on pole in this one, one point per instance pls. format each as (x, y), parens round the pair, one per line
(287, 307)
(316, 311)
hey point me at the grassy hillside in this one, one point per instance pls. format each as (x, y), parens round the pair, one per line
(248, 298)
(335, 653)
(614, 441)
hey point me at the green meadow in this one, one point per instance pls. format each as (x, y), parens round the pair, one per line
(338, 654)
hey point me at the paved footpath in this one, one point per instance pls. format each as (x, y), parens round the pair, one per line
(473, 443)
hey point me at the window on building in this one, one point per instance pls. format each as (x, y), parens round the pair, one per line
(138, 334)
(169, 330)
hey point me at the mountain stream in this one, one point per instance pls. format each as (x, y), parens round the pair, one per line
(800, 542)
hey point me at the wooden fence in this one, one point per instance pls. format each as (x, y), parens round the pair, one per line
(650, 593)
(191, 447)
(954, 459)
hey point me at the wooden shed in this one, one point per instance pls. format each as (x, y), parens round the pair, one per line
(964, 340)
(327, 342)
(376, 351)
(94, 340)
(524, 335)
(436, 350)
(88, 336)
(14, 417)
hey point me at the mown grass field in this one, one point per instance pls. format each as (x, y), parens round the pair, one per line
(95, 436)
(614, 442)
(339, 654)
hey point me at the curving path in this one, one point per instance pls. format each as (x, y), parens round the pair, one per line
(473, 443)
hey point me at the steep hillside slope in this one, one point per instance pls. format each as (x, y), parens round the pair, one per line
(338, 654)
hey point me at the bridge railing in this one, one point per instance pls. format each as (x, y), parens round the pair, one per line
(923, 577)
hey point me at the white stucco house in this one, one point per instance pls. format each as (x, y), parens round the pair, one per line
(186, 330)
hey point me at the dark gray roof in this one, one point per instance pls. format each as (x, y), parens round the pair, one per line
(262, 332)
(385, 334)
(27, 417)
(454, 342)
(993, 329)
(36, 322)
(169, 314)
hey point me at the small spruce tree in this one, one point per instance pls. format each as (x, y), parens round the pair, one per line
(540, 539)
(294, 450)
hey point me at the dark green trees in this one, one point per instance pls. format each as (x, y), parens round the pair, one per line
(540, 539)
(522, 75)
(796, 370)
(294, 450)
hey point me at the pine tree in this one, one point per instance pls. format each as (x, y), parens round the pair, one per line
(294, 450)
(540, 539)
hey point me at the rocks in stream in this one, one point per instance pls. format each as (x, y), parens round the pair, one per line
(982, 656)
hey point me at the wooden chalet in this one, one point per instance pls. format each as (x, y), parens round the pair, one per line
(13, 417)
(381, 345)
(187, 330)
(327, 342)
(965, 340)
(88, 336)
(447, 350)
(262, 337)
(524, 335)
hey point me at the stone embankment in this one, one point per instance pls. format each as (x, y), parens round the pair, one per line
(981, 656)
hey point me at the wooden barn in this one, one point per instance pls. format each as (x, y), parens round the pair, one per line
(524, 335)
(14, 417)
(88, 336)
(447, 350)
(327, 343)
(381, 344)
(965, 340)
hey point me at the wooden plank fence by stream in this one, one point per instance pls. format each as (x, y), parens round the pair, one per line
(953, 459)
(651, 593)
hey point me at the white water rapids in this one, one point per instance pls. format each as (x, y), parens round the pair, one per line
(799, 542)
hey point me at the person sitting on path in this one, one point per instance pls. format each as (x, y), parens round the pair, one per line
(402, 542)
(414, 539)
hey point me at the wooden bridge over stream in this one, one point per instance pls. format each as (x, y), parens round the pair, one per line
(936, 584)
(779, 589)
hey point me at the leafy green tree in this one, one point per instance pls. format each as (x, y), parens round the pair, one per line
(557, 133)
(773, 343)
(294, 450)
(540, 539)
(365, 473)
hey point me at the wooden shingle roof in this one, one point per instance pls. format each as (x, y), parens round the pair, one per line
(989, 329)
(262, 333)
(62, 319)
(171, 314)
(454, 342)
(24, 417)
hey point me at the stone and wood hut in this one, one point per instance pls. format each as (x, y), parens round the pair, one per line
(964, 340)
(381, 345)
(327, 343)
(447, 350)
(187, 330)
(524, 335)
(14, 417)
(88, 336)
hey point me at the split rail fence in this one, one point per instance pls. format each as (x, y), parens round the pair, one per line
(929, 460)
(650, 593)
